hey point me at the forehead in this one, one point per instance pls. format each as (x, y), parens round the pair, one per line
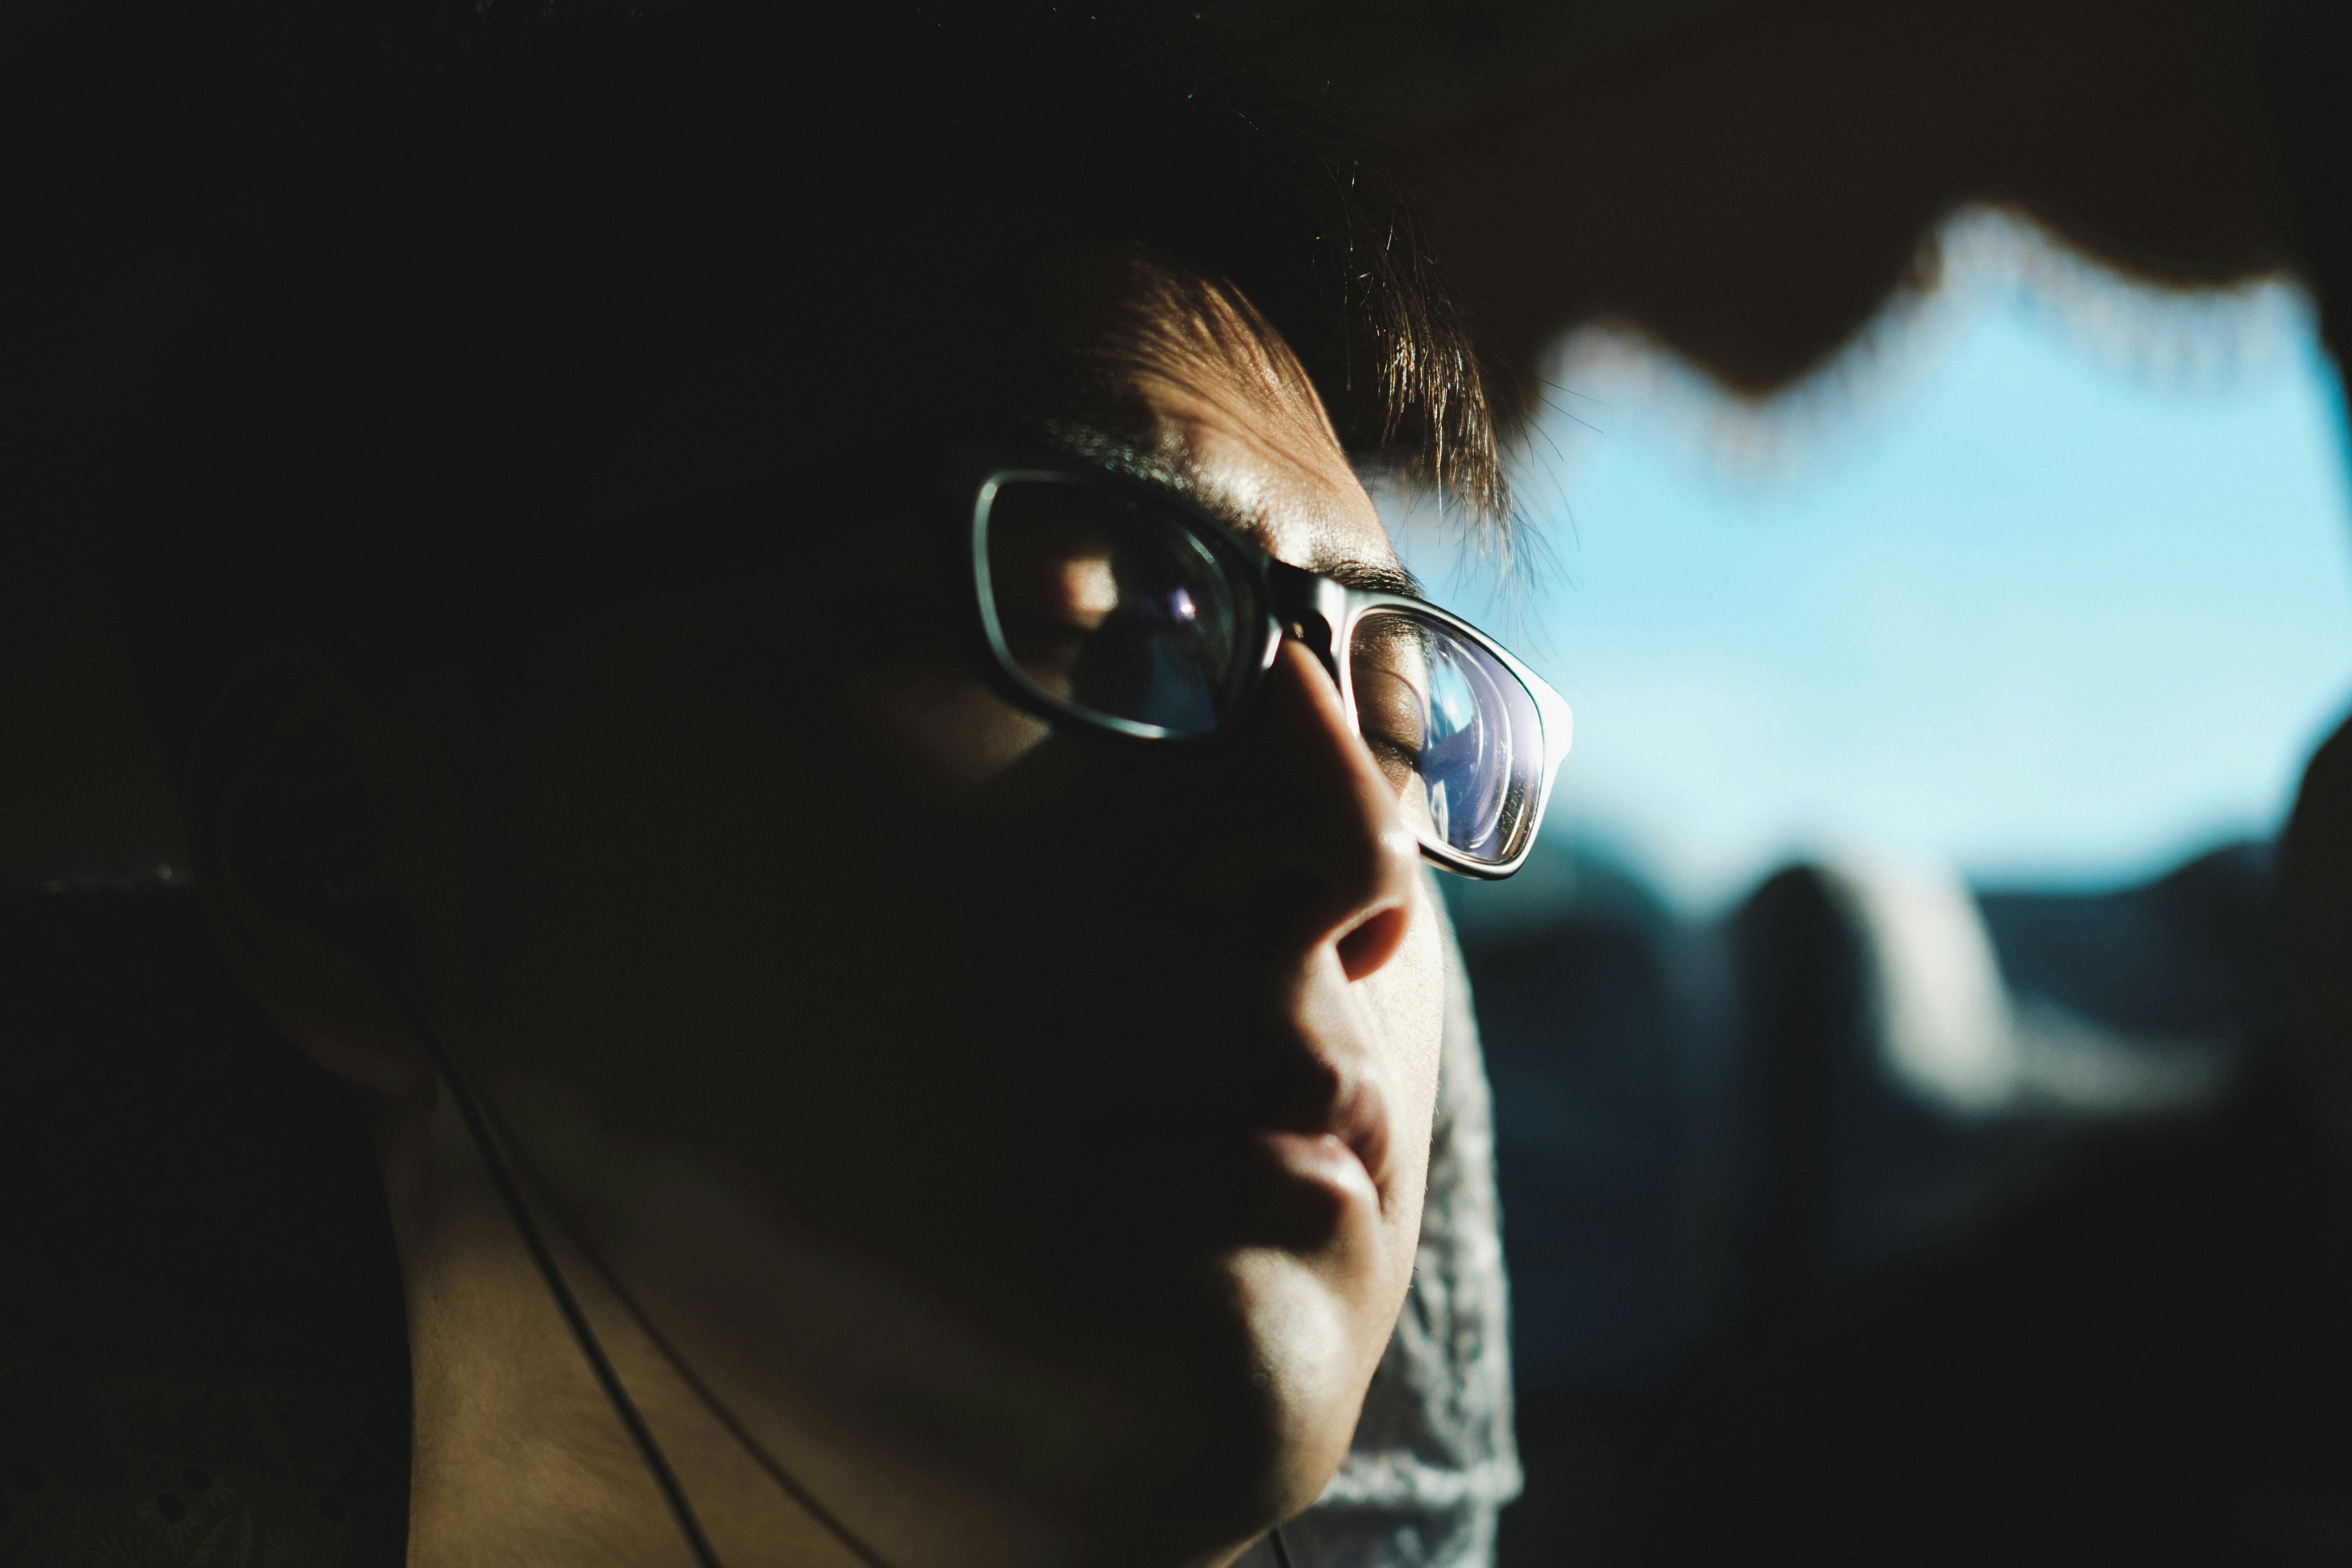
(1206, 393)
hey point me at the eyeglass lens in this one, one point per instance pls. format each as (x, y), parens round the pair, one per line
(1122, 611)
(1456, 732)
(1111, 607)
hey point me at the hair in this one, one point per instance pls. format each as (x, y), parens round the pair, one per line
(440, 301)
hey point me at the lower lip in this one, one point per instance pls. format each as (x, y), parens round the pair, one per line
(1317, 1181)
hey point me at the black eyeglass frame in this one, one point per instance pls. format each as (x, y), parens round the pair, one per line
(1291, 602)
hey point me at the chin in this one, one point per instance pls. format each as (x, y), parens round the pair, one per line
(1231, 1305)
(1244, 1397)
(1314, 1349)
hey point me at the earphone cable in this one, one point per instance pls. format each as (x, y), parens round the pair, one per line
(682, 1511)
(785, 1480)
(488, 1129)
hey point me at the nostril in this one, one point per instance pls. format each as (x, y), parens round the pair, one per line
(1373, 941)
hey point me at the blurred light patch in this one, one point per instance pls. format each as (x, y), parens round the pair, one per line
(2049, 580)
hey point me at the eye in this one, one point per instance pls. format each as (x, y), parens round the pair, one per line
(1053, 592)
(1073, 584)
(1390, 679)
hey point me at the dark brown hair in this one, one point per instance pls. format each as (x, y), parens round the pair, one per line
(458, 293)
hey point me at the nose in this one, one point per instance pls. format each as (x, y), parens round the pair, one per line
(1334, 863)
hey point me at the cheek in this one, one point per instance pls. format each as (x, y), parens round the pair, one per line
(952, 728)
(703, 905)
(1407, 1002)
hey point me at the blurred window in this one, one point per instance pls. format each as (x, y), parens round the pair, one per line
(2049, 578)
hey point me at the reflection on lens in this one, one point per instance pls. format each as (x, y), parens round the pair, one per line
(1454, 730)
(1108, 605)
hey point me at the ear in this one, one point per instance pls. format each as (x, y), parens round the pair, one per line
(295, 786)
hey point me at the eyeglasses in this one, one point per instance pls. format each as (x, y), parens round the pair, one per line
(1116, 605)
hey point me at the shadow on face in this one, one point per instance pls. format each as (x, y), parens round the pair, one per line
(1042, 1110)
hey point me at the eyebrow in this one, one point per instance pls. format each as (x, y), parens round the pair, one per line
(1372, 577)
(1180, 480)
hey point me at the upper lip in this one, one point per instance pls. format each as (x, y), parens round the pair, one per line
(1352, 1109)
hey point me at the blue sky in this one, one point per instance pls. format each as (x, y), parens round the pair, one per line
(2047, 602)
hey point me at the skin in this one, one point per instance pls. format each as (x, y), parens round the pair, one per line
(1023, 1135)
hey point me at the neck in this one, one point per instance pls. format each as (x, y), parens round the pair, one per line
(519, 1457)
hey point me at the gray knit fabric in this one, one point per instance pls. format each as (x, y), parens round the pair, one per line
(1434, 1460)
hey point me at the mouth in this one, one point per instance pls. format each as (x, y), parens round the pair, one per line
(1284, 1139)
(1308, 1186)
(1358, 1117)
(1313, 1178)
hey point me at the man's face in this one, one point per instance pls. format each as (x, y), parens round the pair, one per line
(1047, 1111)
